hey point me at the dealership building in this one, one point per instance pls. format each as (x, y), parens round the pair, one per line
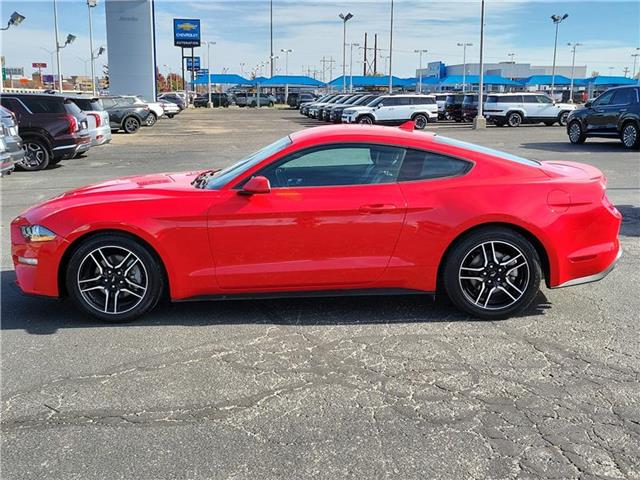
(512, 70)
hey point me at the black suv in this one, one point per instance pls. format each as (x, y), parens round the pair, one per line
(125, 115)
(470, 106)
(453, 106)
(614, 114)
(217, 100)
(52, 128)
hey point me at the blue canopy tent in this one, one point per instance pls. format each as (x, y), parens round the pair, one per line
(413, 81)
(455, 80)
(361, 81)
(291, 80)
(222, 78)
(606, 81)
(559, 80)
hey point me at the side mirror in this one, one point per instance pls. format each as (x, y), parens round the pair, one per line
(255, 185)
(588, 105)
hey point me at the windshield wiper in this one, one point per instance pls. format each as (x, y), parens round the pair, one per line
(201, 180)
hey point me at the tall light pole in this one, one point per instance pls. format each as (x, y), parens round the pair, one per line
(271, 34)
(512, 57)
(68, 41)
(168, 78)
(242, 64)
(345, 19)
(91, 4)
(15, 19)
(286, 52)
(391, 50)
(480, 122)
(464, 64)
(610, 71)
(635, 58)
(351, 45)
(209, 43)
(557, 19)
(573, 46)
(420, 52)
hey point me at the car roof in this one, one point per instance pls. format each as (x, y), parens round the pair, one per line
(357, 131)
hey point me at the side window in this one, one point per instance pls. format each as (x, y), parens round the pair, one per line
(543, 99)
(403, 101)
(390, 102)
(12, 104)
(336, 165)
(624, 96)
(44, 105)
(604, 99)
(529, 99)
(421, 165)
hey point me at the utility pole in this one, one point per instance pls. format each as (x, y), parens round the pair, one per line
(91, 4)
(557, 19)
(351, 45)
(271, 32)
(345, 19)
(464, 46)
(480, 122)
(391, 51)
(625, 71)
(327, 61)
(573, 46)
(286, 52)
(420, 52)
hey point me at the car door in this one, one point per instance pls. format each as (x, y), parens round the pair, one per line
(599, 110)
(386, 111)
(546, 108)
(620, 103)
(531, 106)
(331, 220)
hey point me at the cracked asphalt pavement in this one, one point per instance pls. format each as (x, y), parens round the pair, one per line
(370, 387)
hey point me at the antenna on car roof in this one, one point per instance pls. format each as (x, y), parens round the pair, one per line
(409, 126)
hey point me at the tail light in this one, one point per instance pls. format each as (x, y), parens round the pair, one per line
(73, 123)
(97, 117)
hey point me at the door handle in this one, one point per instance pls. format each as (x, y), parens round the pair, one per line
(377, 208)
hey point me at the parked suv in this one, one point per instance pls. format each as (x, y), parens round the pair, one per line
(453, 106)
(441, 100)
(321, 112)
(244, 99)
(395, 109)
(52, 128)
(125, 115)
(336, 111)
(615, 113)
(305, 107)
(217, 99)
(97, 118)
(11, 152)
(295, 99)
(470, 106)
(174, 98)
(515, 109)
(155, 108)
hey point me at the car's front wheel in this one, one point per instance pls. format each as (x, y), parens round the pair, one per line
(114, 278)
(562, 118)
(420, 121)
(492, 273)
(630, 135)
(576, 133)
(131, 125)
(36, 154)
(366, 120)
(514, 119)
(152, 119)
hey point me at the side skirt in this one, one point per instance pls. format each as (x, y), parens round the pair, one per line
(308, 294)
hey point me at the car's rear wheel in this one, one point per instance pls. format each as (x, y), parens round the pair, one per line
(420, 121)
(576, 133)
(365, 120)
(514, 119)
(131, 125)
(170, 115)
(562, 118)
(493, 273)
(152, 119)
(630, 135)
(37, 155)
(114, 278)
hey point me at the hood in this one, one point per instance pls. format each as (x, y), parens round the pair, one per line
(168, 181)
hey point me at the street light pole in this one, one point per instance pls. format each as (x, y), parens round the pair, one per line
(464, 64)
(286, 52)
(209, 103)
(480, 122)
(573, 46)
(635, 58)
(91, 4)
(69, 40)
(351, 45)
(557, 19)
(420, 52)
(345, 19)
(271, 35)
(391, 50)
(15, 19)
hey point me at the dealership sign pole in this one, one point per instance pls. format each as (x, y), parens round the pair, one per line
(186, 33)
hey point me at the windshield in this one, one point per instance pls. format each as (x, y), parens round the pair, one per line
(227, 174)
(488, 151)
(375, 102)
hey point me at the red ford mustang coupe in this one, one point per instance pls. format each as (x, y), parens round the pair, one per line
(332, 210)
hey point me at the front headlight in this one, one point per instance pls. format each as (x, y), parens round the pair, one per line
(37, 233)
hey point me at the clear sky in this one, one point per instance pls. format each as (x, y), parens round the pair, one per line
(608, 30)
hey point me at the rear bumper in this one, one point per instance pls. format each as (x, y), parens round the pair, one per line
(593, 277)
(72, 145)
(100, 135)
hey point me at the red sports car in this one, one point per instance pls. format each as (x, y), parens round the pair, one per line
(332, 210)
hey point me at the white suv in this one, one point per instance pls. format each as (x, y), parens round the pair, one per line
(395, 109)
(514, 109)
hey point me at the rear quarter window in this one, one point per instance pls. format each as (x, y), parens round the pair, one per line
(422, 165)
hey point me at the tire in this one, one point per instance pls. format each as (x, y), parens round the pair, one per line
(630, 135)
(151, 119)
(549, 123)
(514, 119)
(98, 287)
(254, 104)
(271, 104)
(37, 154)
(484, 288)
(576, 133)
(130, 124)
(170, 115)
(562, 118)
(499, 123)
(420, 121)
(365, 120)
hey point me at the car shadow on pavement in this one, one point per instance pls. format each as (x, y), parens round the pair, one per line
(613, 145)
(42, 316)
(630, 220)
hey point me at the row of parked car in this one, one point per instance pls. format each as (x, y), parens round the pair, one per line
(241, 99)
(373, 108)
(42, 129)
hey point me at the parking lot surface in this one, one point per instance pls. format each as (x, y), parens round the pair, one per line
(370, 387)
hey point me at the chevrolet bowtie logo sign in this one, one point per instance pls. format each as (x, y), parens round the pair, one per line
(186, 32)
